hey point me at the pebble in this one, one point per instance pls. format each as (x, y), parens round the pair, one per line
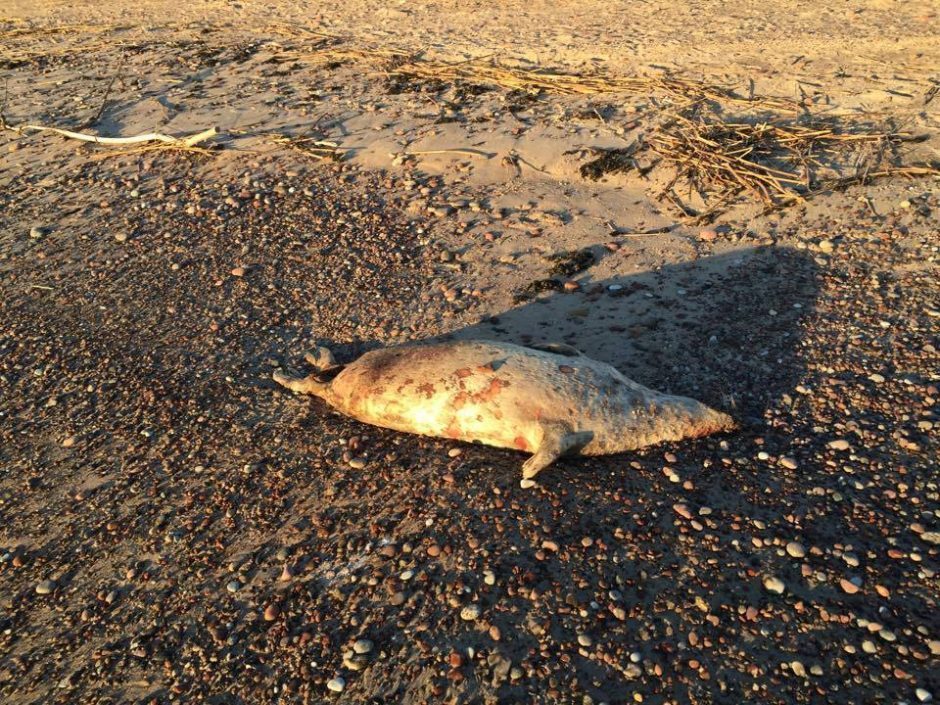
(708, 235)
(526, 484)
(796, 549)
(336, 684)
(238, 272)
(271, 612)
(924, 695)
(848, 587)
(470, 613)
(798, 668)
(931, 537)
(233, 586)
(788, 462)
(36, 232)
(682, 510)
(774, 584)
(357, 463)
(454, 453)
(120, 237)
(585, 640)
(45, 587)
(362, 646)
(840, 444)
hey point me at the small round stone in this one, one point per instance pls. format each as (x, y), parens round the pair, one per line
(924, 695)
(362, 646)
(708, 235)
(788, 462)
(848, 587)
(526, 483)
(795, 549)
(272, 612)
(336, 684)
(470, 613)
(585, 640)
(45, 587)
(774, 584)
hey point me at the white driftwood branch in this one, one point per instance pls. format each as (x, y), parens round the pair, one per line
(187, 141)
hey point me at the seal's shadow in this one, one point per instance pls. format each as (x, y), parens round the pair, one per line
(724, 329)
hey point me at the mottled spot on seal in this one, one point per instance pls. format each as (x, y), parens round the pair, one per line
(492, 390)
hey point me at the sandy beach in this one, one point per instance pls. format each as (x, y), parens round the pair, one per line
(745, 201)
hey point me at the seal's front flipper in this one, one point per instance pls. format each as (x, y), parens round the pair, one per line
(321, 358)
(557, 441)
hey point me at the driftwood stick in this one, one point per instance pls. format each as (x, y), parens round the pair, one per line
(458, 150)
(187, 141)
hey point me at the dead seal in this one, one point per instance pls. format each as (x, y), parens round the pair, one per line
(548, 400)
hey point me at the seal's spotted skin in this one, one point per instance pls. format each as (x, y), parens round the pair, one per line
(550, 401)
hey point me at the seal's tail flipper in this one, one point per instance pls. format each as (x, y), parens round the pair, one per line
(556, 442)
(304, 385)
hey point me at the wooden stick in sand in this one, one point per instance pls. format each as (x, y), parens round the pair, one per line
(187, 141)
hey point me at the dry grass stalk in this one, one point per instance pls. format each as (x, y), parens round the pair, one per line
(777, 162)
(309, 146)
(487, 71)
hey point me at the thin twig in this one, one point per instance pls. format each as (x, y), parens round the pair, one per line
(107, 93)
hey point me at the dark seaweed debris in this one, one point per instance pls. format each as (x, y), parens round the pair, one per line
(570, 263)
(533, 289)
(609, 161)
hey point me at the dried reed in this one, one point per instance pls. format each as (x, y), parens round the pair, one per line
(777, 161)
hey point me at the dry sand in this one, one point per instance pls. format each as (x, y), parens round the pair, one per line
(174, 528)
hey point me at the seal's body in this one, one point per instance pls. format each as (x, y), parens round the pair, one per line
(550, 401)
